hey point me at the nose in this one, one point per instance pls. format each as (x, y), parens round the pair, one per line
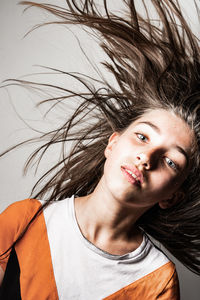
(149, 158)
(144, 159)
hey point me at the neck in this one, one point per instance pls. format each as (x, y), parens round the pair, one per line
(108, 224)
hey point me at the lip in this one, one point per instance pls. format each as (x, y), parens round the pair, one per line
(136, 177)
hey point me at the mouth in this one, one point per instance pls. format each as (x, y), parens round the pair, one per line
(133, 175)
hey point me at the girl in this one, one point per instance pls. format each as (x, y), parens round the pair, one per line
(133, 171)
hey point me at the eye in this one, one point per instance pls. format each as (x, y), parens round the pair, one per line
(142, 137)
(170, 163)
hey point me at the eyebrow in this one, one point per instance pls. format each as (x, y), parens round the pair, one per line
(180, 149)
(151, 125)
(157, 129)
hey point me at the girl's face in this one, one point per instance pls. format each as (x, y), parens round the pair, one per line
(148, 162)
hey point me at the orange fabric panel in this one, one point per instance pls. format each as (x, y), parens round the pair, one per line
(33, 251)
(12, 222)
(161, 284)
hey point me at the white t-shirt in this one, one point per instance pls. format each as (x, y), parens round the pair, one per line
(83, 271)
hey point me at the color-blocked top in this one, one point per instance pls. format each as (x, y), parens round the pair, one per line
(57, 262)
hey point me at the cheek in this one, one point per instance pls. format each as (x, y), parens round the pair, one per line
(163, 181)
(110, 165)
(114, 160)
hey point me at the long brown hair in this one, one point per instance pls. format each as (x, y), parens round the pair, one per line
(156, 64)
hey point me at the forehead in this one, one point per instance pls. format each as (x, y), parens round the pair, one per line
(167, 124)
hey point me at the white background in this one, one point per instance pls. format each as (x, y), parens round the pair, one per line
(52, 46)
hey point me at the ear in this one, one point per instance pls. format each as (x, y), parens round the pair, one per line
(111, 143)
(168, 203)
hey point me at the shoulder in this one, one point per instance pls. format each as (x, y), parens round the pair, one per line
(19, 212)
(163, 278)
(163, 282)
(28, 203)
(58, 210)
(160, 284)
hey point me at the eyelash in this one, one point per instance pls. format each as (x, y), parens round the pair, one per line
(139, 135)
(168, 161)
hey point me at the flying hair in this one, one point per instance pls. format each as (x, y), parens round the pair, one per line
(156, 65)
